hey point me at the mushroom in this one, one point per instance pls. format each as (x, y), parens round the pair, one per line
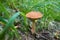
(33, 15)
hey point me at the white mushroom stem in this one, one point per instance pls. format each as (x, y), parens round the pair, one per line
(33, 27)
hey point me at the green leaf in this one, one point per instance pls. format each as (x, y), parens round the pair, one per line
(3, 20)
(4, 10)
(9, 24)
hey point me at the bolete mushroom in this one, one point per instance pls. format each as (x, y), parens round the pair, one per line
(33, 15)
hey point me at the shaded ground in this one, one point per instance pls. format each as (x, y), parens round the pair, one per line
(44, 34)
(52, 33)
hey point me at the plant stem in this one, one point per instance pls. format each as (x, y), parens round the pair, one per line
(33, 27)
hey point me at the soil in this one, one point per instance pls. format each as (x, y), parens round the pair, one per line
(43, 35)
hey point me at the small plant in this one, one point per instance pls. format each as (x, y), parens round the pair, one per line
(33, 16)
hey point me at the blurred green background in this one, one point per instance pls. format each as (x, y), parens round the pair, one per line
(14, 11)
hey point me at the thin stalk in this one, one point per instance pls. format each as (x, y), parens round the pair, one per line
(33, 27)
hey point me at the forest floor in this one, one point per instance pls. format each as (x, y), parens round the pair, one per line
(42, 35)
(45, 34)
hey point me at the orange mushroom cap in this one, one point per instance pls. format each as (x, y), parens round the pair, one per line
(34, 15)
